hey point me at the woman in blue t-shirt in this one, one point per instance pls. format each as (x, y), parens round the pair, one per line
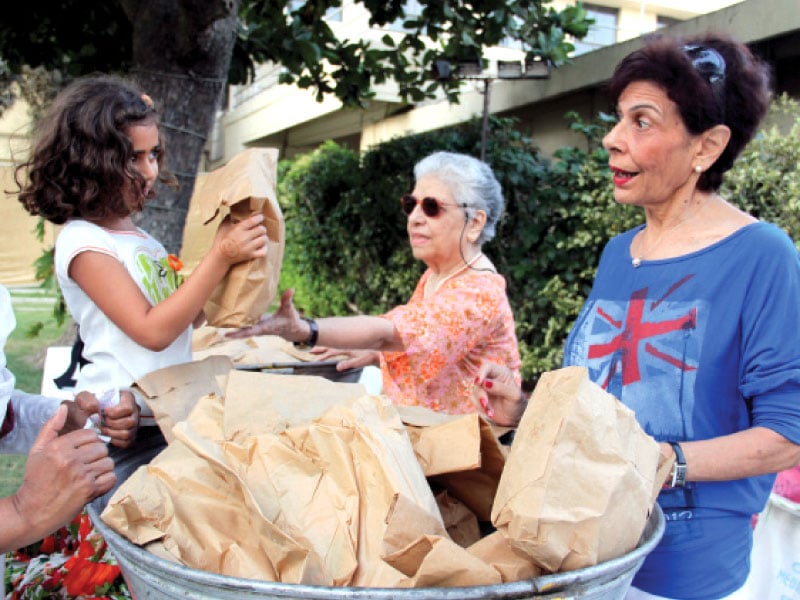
(693, 318)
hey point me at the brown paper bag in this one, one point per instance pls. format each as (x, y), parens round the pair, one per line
(578, 483)
(460, 522)
(190, 483)
(244, 186)
(459, 453)
(172, 392)
(430, 559)
(496, 550)
(297, 476)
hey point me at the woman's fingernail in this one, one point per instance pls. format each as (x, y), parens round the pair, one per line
(478, 379)
(488, 385)
(484, 402)
(490, 413)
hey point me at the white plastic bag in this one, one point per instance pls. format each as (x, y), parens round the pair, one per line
(775, 561)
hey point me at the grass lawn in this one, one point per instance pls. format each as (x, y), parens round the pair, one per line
(25, 356)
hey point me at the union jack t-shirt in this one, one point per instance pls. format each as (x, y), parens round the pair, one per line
(699, 346)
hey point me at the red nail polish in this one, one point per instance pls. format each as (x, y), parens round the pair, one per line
(490, 413)
(484, 402)
(478, 379)
(488, 385)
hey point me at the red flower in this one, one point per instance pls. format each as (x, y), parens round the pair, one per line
(52, 582)
(48, 545)
(175, 263)
(84, 576)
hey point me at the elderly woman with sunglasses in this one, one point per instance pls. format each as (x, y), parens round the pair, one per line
(430, 349)
(693, 320)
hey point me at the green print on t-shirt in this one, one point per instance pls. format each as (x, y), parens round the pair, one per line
(158, 279)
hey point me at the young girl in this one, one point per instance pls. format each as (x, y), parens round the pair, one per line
(95, 163)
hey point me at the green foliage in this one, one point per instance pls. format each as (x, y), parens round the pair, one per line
(298, 36)
(765, 181)
(45, 273)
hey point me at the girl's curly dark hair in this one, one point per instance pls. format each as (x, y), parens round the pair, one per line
(81, 166)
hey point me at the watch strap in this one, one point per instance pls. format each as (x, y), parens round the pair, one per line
(313, 334)
(679, 470)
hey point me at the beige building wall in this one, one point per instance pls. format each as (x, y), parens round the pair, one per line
(19, 247)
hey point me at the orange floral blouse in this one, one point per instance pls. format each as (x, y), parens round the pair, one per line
(447, 336)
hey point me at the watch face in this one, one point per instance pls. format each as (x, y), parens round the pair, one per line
(679, 477)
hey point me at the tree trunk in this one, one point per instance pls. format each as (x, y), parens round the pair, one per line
(181, 55)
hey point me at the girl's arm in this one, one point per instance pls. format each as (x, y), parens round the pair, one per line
(107, 282)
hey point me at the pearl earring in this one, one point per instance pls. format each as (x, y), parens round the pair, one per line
(698, 169)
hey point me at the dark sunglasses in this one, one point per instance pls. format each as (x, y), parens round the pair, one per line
(430, 206)
(708, 63)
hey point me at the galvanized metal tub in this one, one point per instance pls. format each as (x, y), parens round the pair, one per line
(152, 577)
(325, 368)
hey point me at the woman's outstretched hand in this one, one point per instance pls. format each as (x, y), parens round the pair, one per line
(285, 322)
(498, 394)
(348, 359)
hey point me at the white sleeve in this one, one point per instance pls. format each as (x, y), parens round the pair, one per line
(31, 411)
(79, 236)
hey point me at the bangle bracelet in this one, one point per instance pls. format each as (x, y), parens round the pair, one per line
(313, 334)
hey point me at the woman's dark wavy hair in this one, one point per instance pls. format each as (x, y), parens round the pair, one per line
(740, 100)
(81, 162)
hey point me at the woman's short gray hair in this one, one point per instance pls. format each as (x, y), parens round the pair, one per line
(471, 181)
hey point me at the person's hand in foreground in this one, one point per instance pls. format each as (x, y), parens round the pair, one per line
(119, 423)
(498, 394)
(285, 322)
(61, 475)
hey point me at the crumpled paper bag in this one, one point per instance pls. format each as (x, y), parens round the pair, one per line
(171, 392)
(458, 453)
(244, 186)
(430, 559)
(295, 495)
(578, 483)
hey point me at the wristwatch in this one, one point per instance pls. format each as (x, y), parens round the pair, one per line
(312, 335)
(679, 469)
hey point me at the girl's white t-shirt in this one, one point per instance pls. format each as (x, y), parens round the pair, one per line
(116, 361)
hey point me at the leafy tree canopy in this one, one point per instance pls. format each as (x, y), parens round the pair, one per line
(296, 35)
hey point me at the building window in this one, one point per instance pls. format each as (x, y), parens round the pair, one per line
(412, 9)
(603, 32)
